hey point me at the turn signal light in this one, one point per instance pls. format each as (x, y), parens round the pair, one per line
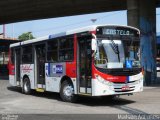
(142, 71)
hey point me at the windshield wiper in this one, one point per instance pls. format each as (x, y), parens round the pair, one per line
(115, 48)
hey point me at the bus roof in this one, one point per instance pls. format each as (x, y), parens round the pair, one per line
(69, 32)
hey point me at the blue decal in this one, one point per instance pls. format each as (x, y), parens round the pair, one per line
(127, 80)
(54, 69)
(57, 35)
(48, 69)
(57, 69)
(128, 64)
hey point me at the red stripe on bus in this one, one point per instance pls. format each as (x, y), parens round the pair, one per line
(107, 76)
(71, 66)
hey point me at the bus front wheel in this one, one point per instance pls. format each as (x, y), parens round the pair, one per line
(67, 92)
(26, 89)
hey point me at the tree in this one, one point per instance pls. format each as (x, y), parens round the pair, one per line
(26, 36)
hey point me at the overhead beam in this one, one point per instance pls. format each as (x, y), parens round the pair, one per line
(23, 10)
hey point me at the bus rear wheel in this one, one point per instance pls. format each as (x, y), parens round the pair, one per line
(26, 89)
(67, 92)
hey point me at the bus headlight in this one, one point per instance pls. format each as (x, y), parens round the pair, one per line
(103, 81)
(139, 80)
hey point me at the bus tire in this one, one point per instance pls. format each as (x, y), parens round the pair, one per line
(26, 89)
(67, 92)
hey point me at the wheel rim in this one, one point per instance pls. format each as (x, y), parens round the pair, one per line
(26, 86)
(68, 91)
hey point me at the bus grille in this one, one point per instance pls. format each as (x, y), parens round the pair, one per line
(124, 87)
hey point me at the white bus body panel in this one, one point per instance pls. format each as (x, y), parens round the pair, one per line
(28, 69)
(12, 80)
(99, 88)
(52, 84)
(53, 79)
(74, 81)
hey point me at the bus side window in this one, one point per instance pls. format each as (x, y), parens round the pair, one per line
(52, 51)
(66, 49)
(27, 54)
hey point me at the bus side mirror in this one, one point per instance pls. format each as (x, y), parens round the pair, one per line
(94, 45)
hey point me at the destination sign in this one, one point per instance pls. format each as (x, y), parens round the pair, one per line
(116, 32)
(120, 31)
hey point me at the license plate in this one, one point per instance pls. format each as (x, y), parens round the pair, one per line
(125, 88)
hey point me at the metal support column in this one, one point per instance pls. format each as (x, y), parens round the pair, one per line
(142, 14)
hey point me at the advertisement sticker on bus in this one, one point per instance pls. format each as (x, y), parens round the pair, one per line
(57, 69)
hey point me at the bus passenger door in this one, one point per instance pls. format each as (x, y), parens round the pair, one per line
(40, 65)
(84, 65)
(17, 66)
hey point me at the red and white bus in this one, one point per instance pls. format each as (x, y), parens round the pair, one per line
(99, 60)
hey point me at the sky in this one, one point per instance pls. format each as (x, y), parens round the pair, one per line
(45, 27)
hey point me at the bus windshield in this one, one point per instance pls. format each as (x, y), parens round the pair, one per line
(116, 53)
